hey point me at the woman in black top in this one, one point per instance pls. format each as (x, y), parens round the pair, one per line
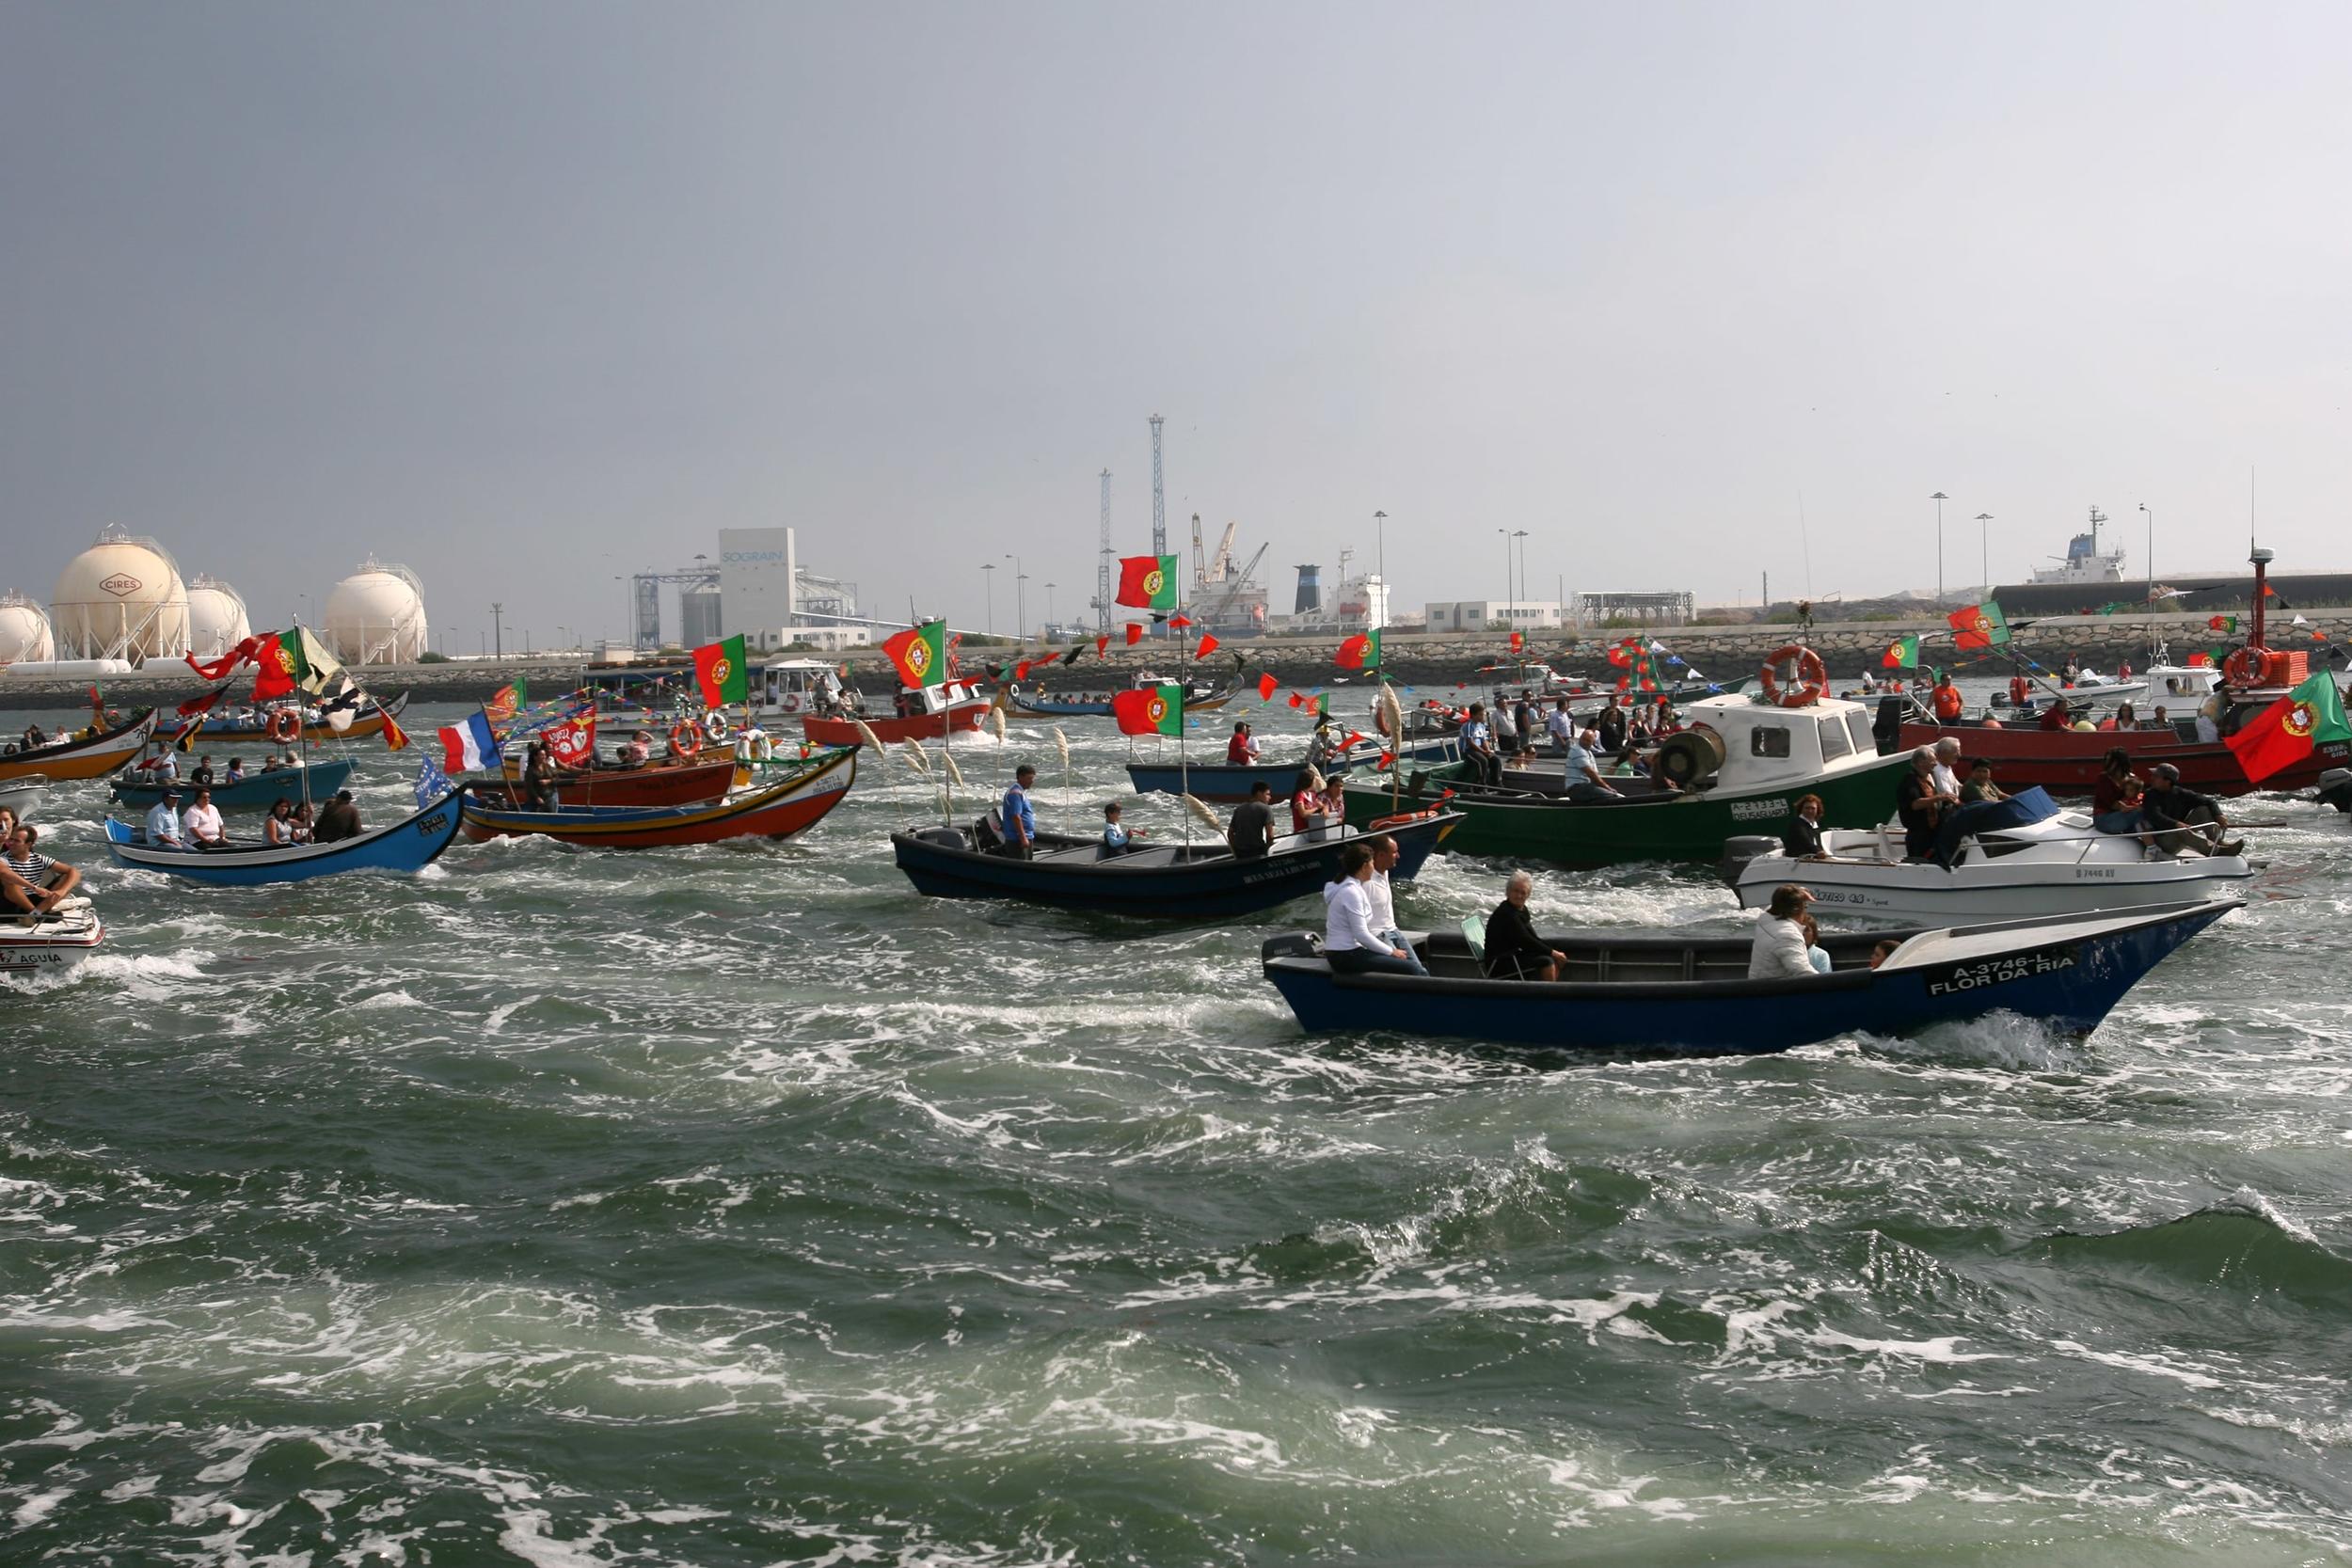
(1514, 951)
(1915, 804)
(1802, 838)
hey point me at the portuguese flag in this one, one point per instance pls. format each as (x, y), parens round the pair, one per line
(277, 665)
(1901, 654)
(1362, 651)
(1146, 581)
(2223, 624)
(2285, 733)
(1979, 625)
(921, 653)
(1150, 710)
(719, 670)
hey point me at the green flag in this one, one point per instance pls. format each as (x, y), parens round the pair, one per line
(719, 670)
(1901, 654)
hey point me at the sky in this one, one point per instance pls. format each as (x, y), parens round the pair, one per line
(531, 296)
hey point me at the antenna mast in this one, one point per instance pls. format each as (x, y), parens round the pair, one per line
(1159, 509)
(1103, 565)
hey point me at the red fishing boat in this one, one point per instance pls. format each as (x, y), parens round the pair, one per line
(661, 783)
(926, 715)
(778, 810)
(2067, 762)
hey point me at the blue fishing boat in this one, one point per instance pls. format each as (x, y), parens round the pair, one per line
(1226, 781)
(1685, 995)
(406, 845)
(254, 792)
(1161, 882)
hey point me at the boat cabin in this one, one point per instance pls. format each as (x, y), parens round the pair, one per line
(795, 686)
(1766, 746)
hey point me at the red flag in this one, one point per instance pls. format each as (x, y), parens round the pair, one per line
(1265, 688)
(1297, 701)
(1180, 620)
(1387, 759)
(1135, 633)
(573, 743)
(272, 671)
(1208, 646)
(1021, 671)
(1353, 737)
(220, 667)
(395, 739)
(1518, 640)
(205, 704)
(1102, 643)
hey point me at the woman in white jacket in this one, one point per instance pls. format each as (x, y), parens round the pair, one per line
(1350, 945)
(1781, 950)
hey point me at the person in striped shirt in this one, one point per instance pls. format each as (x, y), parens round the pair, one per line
(30, 883)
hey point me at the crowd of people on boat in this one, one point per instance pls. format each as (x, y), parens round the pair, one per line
(34, 738)
(198, 825)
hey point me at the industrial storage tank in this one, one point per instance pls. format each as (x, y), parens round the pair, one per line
(376, 615)
(216, 617)
(122, 598)
(24, 632)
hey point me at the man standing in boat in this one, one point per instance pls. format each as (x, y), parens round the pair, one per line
(1019, 816)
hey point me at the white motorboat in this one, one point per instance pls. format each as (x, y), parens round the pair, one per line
(20, 795)
(2055, 865)
(46, 946)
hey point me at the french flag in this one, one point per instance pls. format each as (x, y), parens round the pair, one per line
(470, 747)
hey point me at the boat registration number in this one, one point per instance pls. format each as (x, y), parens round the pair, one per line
(432, 824)
(1952, 979)
(1759, 811)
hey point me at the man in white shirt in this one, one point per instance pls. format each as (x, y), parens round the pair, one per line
(1350, 945)
(162, 823)
(201, 821)
(1781, 950)
(1558, 725)
(1380, 901)
(1584, 769)
(1947, 775)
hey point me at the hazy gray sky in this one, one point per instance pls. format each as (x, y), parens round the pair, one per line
(531, 295)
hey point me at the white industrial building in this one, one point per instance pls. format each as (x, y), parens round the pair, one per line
(1481, 615)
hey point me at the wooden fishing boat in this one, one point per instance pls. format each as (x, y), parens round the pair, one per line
(2030, 860)
(1744, 765)
(1198, 698)
(1681, 995)
(695, 782)
(70, 760)
(778, 809)
(1163, 881)
(60, 942)
(254, 792)
(1228, 781)
(2069, 761)
(404, 847)
(366, 721)
(958, 703)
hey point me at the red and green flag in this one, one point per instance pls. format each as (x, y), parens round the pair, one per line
(1901, 654)
(1146, 581)
(1361, 652)
(920, 653)
(277, 666)
(1149, 709)
(2223, 624)
(719, 669)
(2286, 732)
(1979, 625)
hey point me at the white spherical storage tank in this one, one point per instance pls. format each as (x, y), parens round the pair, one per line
(376, 615)
(24, 632)
(122, 598)
(216, 617)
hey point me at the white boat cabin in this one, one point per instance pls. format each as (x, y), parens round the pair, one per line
(1767, 746)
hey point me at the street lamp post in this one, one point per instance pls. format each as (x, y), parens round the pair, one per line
(497, 627)
(988, 569)
(1510, 617)
(1380, 552)
(1019, 613)
(1521, 536)
(2151, 561)
(1939, 499)
(1984, 555)
(1049, 605)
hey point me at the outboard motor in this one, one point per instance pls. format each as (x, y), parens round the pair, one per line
(2335, 788)
(1887, 728)
(1739, 851)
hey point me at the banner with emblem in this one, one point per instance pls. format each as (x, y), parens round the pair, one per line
(573, 743)
(920, 654)
(719, 669)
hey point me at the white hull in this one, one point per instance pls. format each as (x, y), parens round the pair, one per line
(56, 945)
(2057, 866)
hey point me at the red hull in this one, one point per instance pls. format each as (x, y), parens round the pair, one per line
(890, 730)
(2067, 762)
(780, 812)
(692, 784)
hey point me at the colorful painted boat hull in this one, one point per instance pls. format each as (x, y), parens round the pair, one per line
(255, 792)
(1230, 782)
(892, 729)
(2067, 974)
(363, 725)
(1689, 826)
(93, 758)
(778, 810)
(406, 847)
(665, 783)
(2068, 762)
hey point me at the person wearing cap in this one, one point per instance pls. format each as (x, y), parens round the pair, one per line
(2178, 814)
(162, 823)
(1782, 950)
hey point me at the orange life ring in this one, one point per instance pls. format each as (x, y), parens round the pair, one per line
(686, 739)
(282, 725)
(1399, 819)
(2255, 667)
(1811, 673)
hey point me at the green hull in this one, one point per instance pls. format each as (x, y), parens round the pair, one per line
(1671, 828)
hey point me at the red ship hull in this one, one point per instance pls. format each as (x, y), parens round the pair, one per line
(891, 730)
(669, 784)
(777, 812)
(2067, 762)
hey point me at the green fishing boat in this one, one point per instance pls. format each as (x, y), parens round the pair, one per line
(1747, 762)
